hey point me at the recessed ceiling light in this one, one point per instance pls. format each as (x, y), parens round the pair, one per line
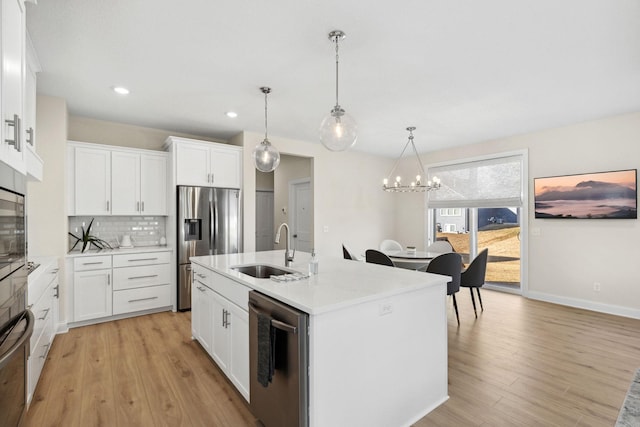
(231, 114)
(121, 90)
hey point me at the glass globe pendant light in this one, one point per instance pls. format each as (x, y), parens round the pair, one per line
(265, 156)
(338, 131)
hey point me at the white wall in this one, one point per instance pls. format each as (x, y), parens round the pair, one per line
(568, 256)
(346, 197)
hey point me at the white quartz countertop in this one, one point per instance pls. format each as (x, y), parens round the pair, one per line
(46, 264)
(339, 284)
(117, 251)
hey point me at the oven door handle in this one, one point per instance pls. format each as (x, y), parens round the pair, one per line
(4, 358)
(276, 323)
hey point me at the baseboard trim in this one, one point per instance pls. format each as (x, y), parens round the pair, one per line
(585, 304)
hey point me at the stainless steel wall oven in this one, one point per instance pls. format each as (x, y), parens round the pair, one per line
(16, 321)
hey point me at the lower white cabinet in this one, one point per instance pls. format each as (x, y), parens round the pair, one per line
(42, 299)
(220, 322)
(110, 285)
(93, 297)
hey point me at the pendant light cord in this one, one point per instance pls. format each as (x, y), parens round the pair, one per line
(265, 115)
(337, 60)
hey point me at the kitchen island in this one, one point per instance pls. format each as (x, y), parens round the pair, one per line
(377, 335)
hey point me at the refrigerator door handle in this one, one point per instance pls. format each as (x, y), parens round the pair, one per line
(213, 224)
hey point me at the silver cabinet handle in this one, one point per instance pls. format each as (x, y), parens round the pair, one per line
(200, 289)
(30, 139)
(137, 206)
(107, 206)
(142, 299)
(108, 280)
(276, 323)
(143, 206)
(16, 132)
(57, 294)
(93, 263)
(142, 277)
(54, 270)
(142, 259)
(46, 350)
(46, 313)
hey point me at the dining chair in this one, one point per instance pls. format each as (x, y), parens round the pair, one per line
(346, 254)
(377, 257)
(390, 245)
(474, 275)
(440, 246)
(449, 265)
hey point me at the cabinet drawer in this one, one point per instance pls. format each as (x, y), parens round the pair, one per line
(91, 262)
(144, 258)
(231, 290)
(43, 313)
(131, 300)
(38, 288)
(38, 356)
(145, 275)
(202, 275)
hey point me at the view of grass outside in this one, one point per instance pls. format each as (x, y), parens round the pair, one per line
(503, 242)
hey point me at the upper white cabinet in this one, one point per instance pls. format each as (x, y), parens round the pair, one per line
(105, 180)
(13, 75)
(35, 165)
(206, 164)
(138, 183)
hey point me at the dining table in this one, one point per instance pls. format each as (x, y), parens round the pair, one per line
(412, 260)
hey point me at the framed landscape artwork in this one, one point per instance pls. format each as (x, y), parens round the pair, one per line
(601, 195)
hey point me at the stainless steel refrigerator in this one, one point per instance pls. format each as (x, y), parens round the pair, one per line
(209, 223)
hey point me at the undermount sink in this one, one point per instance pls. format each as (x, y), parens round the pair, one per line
(260, 271)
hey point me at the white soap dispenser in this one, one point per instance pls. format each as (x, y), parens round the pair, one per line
(313, 264)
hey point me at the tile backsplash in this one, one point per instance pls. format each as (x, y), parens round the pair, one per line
(144, 230)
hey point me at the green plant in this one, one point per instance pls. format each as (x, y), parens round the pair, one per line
(87, 239)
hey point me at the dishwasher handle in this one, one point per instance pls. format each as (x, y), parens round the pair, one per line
(276, 323)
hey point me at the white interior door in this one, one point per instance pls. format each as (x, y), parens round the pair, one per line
(264, 221)
(301, 214)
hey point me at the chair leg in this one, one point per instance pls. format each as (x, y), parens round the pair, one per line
(455, 305)
(480, 298)
(473, 300)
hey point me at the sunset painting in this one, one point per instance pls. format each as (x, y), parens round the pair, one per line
(587, 196)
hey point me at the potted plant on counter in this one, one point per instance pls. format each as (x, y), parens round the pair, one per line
(87, 239)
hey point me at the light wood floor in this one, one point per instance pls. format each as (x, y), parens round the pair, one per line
(521, 363)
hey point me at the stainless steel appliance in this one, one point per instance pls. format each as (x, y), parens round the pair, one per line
(209, 223)
(16, 321)
(284, 401)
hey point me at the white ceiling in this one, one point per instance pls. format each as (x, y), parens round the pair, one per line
(461, 71)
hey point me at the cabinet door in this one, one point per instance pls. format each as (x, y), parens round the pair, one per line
(92, 182)
(225, 167)
(125, 183)
(220, 350)
(92, 295)
(202, 315)
(153, 185)
(193, 165)
(13, 70)
(238, 321)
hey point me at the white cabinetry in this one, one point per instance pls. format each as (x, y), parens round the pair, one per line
(43, 301)
(206, 164)
(104, 180)
(219, 313)
(92, 181)
(120, 284)
(138, 183)
(35, 165)
(92, 294)
(12, 83)
(202, 307)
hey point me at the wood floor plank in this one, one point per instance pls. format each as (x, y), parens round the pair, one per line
(521, 363)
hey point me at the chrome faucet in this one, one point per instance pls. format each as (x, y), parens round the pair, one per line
(288, 257)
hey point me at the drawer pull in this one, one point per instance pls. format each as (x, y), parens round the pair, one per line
(46, 313)
(142, 299)
(93, 263)
(200, 289)
(54, 271)
(143, 259)
(46, 350)
(143, 277)
(57, 294)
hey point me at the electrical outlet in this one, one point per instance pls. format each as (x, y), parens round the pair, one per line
(385, 308)
(596, 286)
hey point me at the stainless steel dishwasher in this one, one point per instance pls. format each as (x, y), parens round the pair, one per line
(284, 401)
